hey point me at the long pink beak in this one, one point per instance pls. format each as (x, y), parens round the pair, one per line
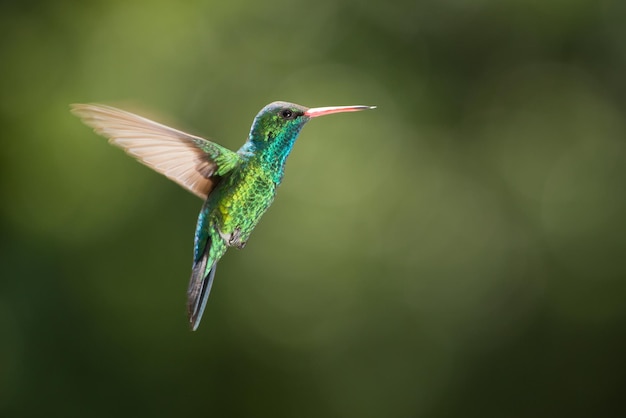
(321, 111)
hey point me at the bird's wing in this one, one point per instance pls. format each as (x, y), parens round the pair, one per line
(190, 161)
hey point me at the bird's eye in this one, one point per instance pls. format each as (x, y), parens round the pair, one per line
(286, 114)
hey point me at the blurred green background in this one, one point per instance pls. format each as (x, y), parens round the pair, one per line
(459, 252)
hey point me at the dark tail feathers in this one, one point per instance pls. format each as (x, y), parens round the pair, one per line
(199, 289)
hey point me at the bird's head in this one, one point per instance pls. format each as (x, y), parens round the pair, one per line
(277, 125)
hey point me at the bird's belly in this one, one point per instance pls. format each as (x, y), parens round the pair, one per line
(241, 208)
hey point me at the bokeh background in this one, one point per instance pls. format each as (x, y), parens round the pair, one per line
(459, 252)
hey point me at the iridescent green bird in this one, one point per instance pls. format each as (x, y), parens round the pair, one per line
(238, 187)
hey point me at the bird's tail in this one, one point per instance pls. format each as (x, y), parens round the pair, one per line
(201, 280)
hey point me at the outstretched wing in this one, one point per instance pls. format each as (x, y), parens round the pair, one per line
(190, 161)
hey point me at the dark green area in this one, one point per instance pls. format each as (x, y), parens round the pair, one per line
(459, 252)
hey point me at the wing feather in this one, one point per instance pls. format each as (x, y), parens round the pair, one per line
(189, 160)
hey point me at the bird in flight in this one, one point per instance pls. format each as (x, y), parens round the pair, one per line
(237, 187)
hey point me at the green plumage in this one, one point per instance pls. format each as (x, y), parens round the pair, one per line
(242, 196)
(238, 187)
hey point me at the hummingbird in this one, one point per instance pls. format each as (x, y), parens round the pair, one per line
(237, 187)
